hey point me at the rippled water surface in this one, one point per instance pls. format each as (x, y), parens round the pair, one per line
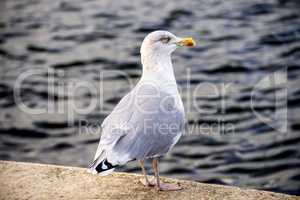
(250, 50)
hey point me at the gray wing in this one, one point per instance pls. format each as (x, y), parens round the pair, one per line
(112, 128)
(147, 127)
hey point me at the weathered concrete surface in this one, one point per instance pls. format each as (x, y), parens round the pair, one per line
(37, 181)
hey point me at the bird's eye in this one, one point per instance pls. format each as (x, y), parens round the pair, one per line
(165, 39)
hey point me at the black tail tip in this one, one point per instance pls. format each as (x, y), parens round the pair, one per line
(104, 166)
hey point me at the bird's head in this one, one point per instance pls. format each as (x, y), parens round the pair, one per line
(163, 43)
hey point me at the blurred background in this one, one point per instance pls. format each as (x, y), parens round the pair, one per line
(252, 48)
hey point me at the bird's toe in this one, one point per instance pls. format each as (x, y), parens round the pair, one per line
(168, 187)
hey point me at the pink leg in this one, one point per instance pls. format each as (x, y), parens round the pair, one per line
(145, 181)
(163, 186)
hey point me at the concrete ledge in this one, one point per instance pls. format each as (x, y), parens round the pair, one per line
(38, 181)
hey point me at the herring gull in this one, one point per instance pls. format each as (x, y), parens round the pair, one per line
(149, 120)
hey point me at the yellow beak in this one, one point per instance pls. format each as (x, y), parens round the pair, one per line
(189, 42)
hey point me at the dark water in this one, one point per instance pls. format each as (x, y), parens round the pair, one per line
(247, 135)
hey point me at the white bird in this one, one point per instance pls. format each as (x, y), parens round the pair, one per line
(149, 120)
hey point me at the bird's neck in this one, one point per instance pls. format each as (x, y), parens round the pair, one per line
(158, 67)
